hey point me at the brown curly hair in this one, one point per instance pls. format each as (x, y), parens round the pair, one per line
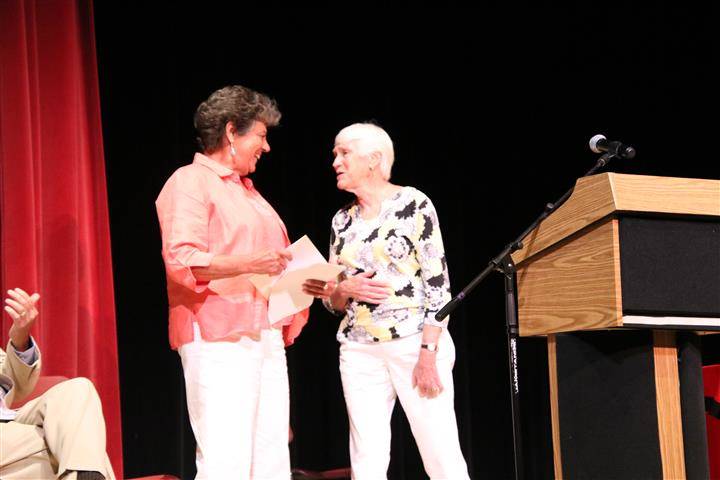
(236, 104)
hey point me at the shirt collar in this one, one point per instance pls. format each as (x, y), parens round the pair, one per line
(221, 170)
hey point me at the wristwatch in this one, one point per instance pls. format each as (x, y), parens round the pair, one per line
(432, 347)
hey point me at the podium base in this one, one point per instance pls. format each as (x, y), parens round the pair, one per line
(627, 405)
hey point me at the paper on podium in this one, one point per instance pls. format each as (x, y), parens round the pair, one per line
(284, 292)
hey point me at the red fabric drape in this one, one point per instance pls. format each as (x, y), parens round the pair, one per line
(53, 199)
(711, 379)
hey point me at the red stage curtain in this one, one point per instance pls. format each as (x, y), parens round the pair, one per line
(53, 199)
(711, 379)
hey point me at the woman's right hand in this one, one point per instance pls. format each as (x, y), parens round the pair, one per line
(271, 262)
(362, 288)
(319, 288)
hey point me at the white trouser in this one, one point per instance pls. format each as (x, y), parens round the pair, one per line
(373, 376)
(239, 404)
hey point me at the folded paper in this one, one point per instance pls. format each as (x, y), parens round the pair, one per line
(284, 291)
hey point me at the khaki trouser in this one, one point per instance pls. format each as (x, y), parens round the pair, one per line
(56, 434)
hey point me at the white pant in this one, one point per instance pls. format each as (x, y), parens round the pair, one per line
(373, 376)
(239, 404)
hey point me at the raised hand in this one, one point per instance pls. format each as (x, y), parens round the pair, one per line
(22, 309)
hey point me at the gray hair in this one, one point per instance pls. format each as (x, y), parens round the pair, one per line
(372, 138)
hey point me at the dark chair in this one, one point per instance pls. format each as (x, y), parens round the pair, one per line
(338, 473)
(156, 477)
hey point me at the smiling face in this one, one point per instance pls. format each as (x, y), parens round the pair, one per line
(248, 148)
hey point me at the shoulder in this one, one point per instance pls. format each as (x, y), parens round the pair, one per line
(192, 179)
(343, 217)
(190, 176)
(420, 199)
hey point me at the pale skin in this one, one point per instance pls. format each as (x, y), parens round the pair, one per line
(240, 153)
(357, 169)
(22, 308)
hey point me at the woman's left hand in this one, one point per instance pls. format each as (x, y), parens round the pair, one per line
(425, 375)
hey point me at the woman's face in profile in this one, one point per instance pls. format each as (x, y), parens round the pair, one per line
(249, 147)
(350, 166)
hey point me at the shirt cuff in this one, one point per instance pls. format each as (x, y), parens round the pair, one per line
(29, 356)
(201, 259)
(328, 306)
(182, 272)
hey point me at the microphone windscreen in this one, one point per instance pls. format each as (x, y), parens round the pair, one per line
(594, 143)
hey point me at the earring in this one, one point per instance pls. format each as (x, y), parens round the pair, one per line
(232, 150)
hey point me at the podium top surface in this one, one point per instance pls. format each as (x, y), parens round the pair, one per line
(598, 196)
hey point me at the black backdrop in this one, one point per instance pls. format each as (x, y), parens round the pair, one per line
(490, 110)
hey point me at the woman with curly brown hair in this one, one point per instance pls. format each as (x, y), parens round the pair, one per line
(216, 230)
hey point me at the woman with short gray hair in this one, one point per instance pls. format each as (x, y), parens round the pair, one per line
(395, 281)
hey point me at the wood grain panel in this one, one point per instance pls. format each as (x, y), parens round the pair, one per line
(597, 196)
(591, 200)
(574, 285)
(667, 386)
(554, 406)
(641, 193)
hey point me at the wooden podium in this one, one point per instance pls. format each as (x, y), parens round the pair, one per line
(621, 279)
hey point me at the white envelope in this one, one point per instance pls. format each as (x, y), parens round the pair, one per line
(284, 292)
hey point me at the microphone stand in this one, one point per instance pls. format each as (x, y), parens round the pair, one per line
(504, 264)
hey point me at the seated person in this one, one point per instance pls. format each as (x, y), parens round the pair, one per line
(60, 434)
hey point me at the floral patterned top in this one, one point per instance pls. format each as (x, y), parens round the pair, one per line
(404, 247)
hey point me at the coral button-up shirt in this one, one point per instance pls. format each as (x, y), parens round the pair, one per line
(206, 209)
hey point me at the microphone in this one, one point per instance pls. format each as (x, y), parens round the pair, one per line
(599, 144)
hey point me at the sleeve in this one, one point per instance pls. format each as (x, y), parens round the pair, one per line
(431, 258)
(184, 221)
(29, 356)
(23, 375)
(333, 258)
